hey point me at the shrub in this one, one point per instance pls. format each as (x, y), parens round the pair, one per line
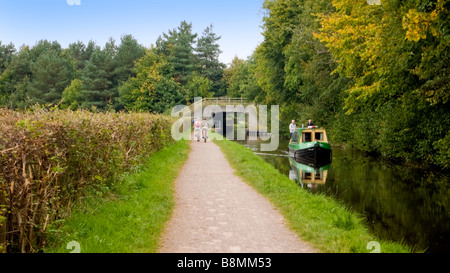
(48, 158)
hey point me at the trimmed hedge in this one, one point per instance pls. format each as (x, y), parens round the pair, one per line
(48, 159)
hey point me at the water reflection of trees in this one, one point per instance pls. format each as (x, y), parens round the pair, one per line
(400, 203)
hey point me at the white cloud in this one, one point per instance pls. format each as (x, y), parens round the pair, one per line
(74, 2)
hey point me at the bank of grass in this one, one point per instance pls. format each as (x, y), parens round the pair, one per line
(131, 217)
(322, 221)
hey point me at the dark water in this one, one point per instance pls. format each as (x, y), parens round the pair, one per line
(402, 204)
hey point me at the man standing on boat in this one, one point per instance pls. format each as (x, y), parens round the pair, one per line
(292, 127)
(310, 123)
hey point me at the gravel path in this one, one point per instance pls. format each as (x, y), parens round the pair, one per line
(216, 212)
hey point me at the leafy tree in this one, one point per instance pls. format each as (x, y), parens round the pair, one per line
(36, 75)
(293, 68)
(198, 86)
(72, 95)
(233, 76)
(397, 57)
(280, 20)
(153, 88)
(242, 81)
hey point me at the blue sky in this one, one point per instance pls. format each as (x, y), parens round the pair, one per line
(28, 21)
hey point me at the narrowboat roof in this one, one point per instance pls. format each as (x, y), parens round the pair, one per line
(311, 128)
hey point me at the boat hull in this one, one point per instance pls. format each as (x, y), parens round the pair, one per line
(315, 155)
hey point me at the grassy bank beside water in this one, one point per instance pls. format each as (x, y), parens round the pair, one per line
(326, 224)
(132, 217)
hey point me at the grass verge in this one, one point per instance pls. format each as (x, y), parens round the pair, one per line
(322, 221)
(130, 218)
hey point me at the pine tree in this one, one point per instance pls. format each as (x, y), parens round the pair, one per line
(208, 64)
(96, 77)
(51, 74)
(6, 55)
(15, 79)
(129, 52)
(80, 53)
(181, 54)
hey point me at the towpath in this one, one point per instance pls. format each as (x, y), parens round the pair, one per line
(216, 212)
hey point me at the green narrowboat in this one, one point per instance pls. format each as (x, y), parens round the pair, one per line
(310, 144)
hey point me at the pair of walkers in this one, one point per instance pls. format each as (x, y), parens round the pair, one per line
(200, 130)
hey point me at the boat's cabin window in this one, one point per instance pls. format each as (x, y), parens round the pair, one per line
(295, 137)
(307, 176)
(319, 136)
(307, 137)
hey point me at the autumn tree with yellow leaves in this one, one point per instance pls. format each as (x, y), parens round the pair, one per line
(375, 73)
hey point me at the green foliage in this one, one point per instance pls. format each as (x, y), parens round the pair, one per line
(198, 86)
(80, 54)
(345, 222)
(241, 80)
(192, 56)
(6, 55)
(376, 76)
(442, 156)
(97, 90)
(72, 95)
(113, 77)
(208, 64)
(180, 48)
(52, 72)
(153, 88)
(129, 52)
(15, 79)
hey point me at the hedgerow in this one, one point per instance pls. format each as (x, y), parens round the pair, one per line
(48, 158)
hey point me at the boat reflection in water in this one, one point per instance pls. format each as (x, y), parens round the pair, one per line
(308, 173)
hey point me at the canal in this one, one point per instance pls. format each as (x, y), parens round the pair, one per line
(400, 203)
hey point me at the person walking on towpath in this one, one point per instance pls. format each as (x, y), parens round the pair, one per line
(197, 129)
